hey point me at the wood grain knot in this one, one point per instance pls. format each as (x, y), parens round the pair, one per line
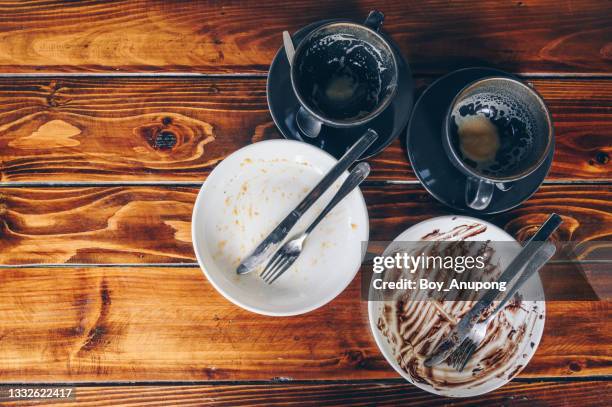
(602, 157)
(159, 139)
(574, 367)
(356, 358)
(165, 134)
(165, 140)
(53, 99)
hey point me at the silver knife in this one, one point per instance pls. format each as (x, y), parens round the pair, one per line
(265, 249)
(525, 256)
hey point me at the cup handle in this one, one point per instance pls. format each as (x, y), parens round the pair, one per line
(375, 20)
(478, 193)
(307, 123)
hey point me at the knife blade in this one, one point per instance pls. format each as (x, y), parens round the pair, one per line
(524, 257)
(265, 249)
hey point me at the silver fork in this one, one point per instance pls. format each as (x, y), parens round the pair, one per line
(459, 358)
(290, 251)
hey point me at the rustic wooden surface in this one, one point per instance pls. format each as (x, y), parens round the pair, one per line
(152, 224)
(135, 129)
(587, 393)
(99, 172)
(242, 37)
(168, 323)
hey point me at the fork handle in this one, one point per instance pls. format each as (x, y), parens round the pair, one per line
(356, 177)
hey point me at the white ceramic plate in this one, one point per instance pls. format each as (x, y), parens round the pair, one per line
(443, 379)
(245, 198)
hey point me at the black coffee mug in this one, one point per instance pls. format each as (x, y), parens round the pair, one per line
(343, 74)
(497, 131)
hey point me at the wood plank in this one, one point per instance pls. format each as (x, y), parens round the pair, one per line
(96, 225)
(148, 224)
(585, 211)
(137, 129)
(569, 394)
(242, 37)
(152, 324)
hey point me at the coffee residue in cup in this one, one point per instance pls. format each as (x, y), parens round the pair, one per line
(342, 75)
(492, 133)
(478, 139)
(341, 87)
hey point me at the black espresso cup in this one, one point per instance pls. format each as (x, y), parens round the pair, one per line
(497, 131)
(343, 74)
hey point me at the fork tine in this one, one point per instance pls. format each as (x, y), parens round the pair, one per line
(464, 352)
(280, 268)
(283, 268)
(282, 258)
(272, 263)
(468, 355)
(459, 354)
(459, 358)
(281, 271)
(274, 267)
(456, 355)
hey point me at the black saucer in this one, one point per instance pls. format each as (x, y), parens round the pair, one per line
(427, 156)
(283, 105)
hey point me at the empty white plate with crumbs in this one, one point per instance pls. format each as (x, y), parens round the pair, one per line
(246, 196)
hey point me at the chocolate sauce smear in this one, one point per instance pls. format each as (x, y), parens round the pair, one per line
(414, 328)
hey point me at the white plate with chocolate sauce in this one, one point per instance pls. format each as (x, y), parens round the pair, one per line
(246, 196)
(407, 331)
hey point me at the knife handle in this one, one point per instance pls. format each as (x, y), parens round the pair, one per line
(526, 255)
(342, 165)
(550, 225)
(546, 251)
(531, 247)
(356, 177)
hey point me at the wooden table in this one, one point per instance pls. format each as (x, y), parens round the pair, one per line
(99, 284)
